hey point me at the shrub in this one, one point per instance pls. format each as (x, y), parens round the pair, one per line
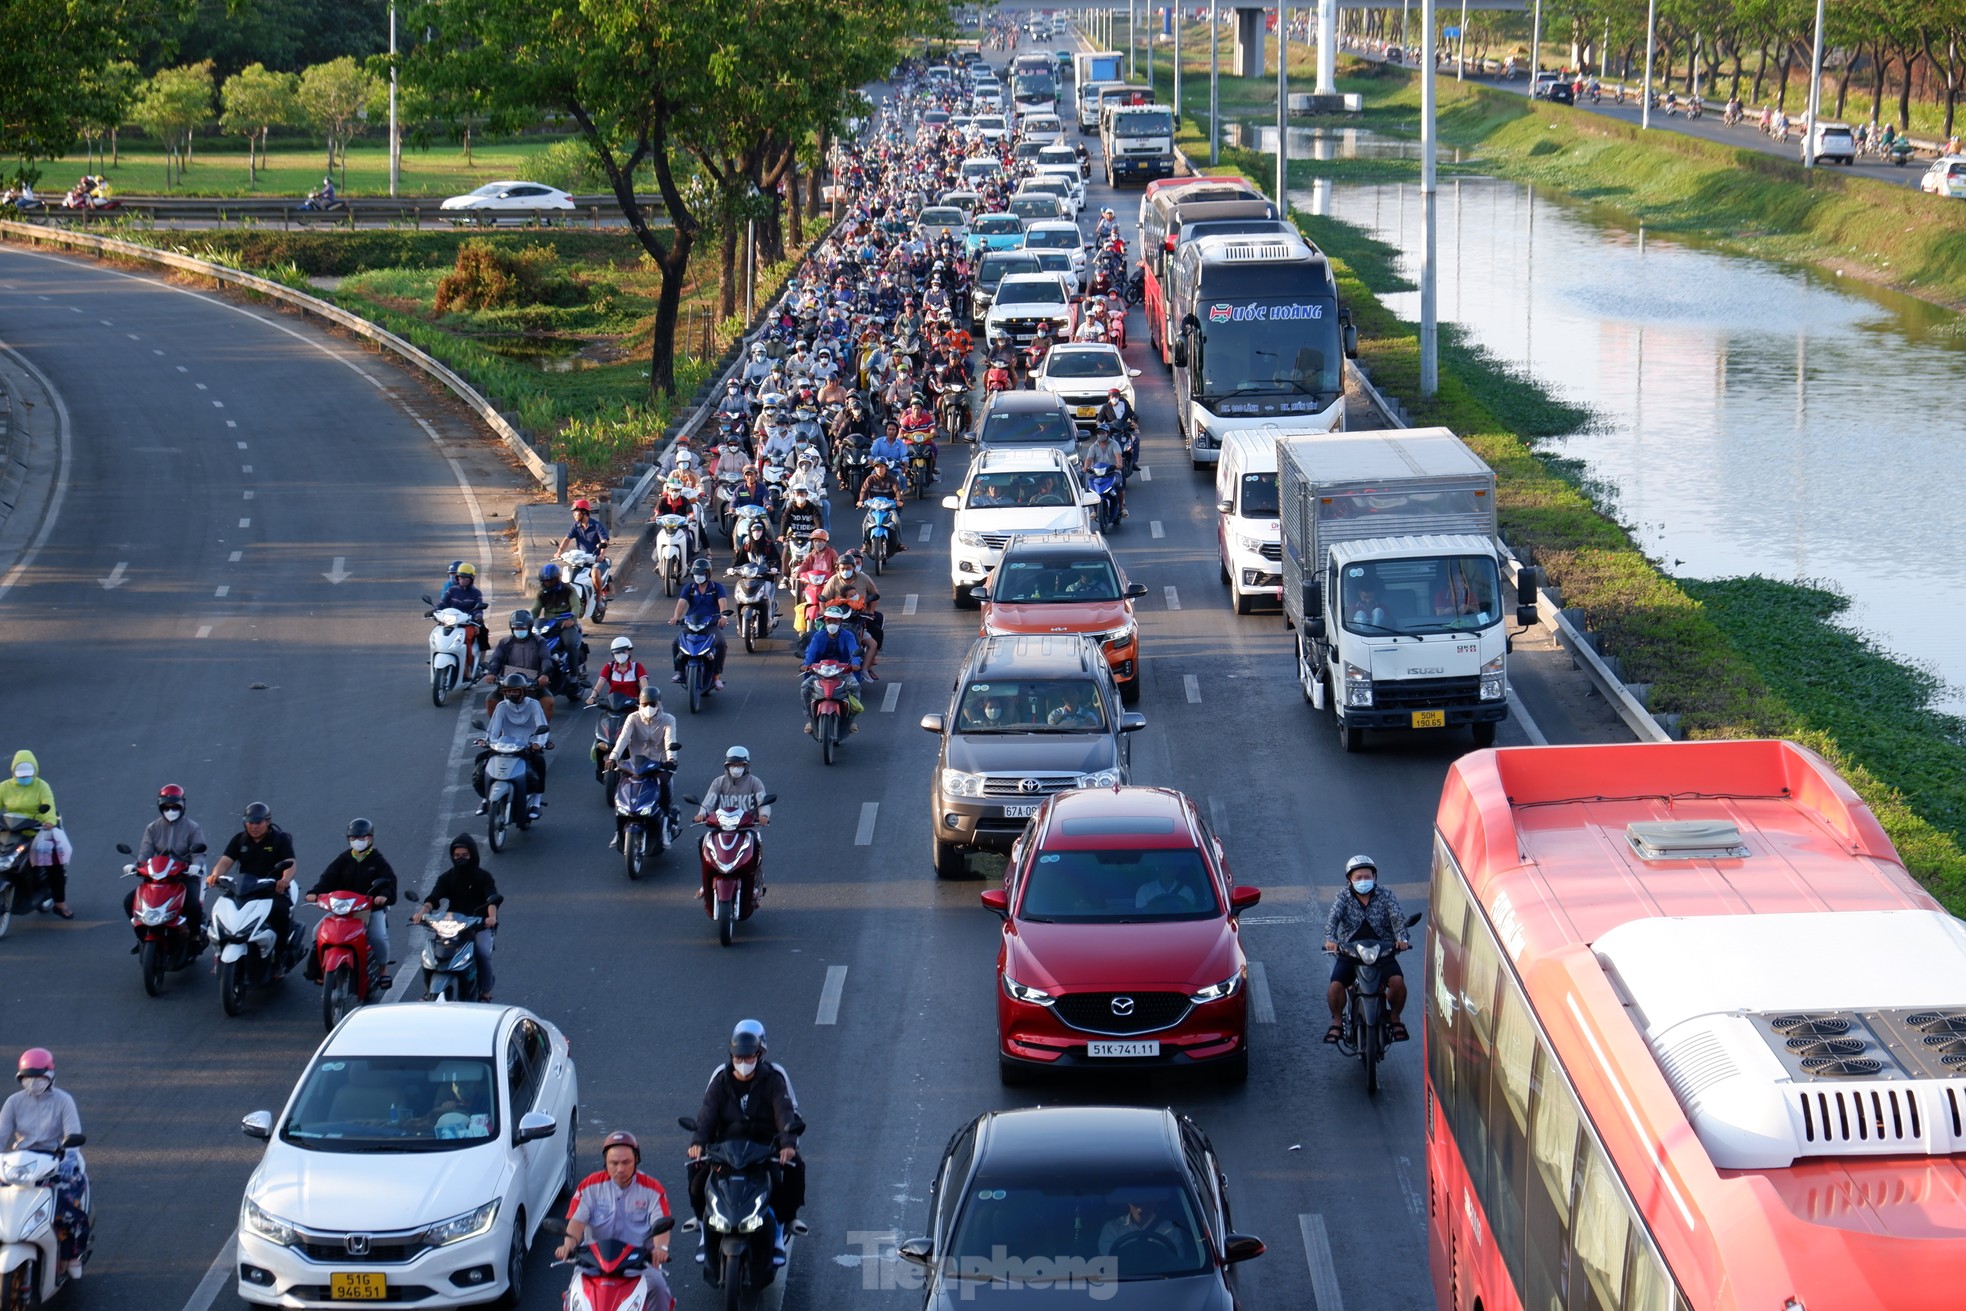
(487, 277)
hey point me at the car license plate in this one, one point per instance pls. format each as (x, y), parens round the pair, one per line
(358, 1286)
(1019, 812)
(1087, 412)
(1149, 1048)
(1430, 719)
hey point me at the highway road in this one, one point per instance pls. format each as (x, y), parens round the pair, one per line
(240, 512)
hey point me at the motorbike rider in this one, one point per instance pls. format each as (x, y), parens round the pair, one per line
(880, 481)
(621, 1204)
(262, 852)
(750, 1099)
(809, 477)
(622, 675)
(889, 447)
(516, 717)
(918, 428)
(524, 653)
(833, 641)
(737, 785)
(1108, 227)
(1365, 910)
(25, 793)
(461, 593)
(1119, 414)
(39, 1118)
(677, 498)
(1104, 448)
(705, 600)
(556, 600)
(648, 736)
(364, 871)
(327, 190)
(469, 889)
(735, 404)
(801, 517)
(175, 833)
(588, 534)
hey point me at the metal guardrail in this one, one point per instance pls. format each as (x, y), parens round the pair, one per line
(246, 211)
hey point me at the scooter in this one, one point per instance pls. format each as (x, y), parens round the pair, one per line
(732, 855)
(608, 1274)
(584, 576)
(23, 885)
(319, 204)
(805, 614)
(165, 940)
(850, 461)
(742, 1231)
(607, 731)
(757, 616)
(1368, 1032)
(671, 551)
(918, 462)
(698, 641)
(877, 531)
(1901, 151)
(1105, 480)
(30, 1250)
(249, 955)
(450, 956)
(453, 652)
(643, 827)
(830, 714)
(509, 784)
(566, 668)
(349, 971)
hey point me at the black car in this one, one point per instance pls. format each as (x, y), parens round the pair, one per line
(1025, 419)
(1562, 93)
(1029, 717)
(990, 271)
(1124, 1204)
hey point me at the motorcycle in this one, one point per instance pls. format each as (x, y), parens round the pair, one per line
(831, 714)
(737, 1210)
(918, 464)
(850, 461)
(165, 940)
(757, 615)
(509, 784)
(450, 956)
(453, 651)
(1901, 151)
(672, 547)
(1368, 1031)
(643, 827)
(565, 669)
(349, 971)
(318, 204)
(607, 731)
(698, 641)
(732, 857)
(877, 530)
(608, 1274)
(30, 1249)
(23, 885)
(249, 954)
(584, 576)
(1105, 480)
(805, 615)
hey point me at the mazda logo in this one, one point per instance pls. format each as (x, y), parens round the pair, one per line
(1122, 1005)
(357, 1244)
(1028, 785)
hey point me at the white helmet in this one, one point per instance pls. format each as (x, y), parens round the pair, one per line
(621, 644)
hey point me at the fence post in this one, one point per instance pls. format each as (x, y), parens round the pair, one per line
(559, 471)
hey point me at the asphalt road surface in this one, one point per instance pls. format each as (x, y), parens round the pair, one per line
(182, 620)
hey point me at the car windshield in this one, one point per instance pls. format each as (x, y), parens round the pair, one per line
(1058, 155)
(1136, 1229)
(1046, 291)
(997, 224)
(993, 271)
(1053, 261)
(1286, 353)
(1143, 123)
(1036, 487)
(394, 1104)
(1122, 886)
(1039, 428)
(1259, 496)
(1057, 239)
(1036, 207)
(942, 217)
(1083, 364)
(994, 121)
(1055, 582)
(1444, 594)
(492, 189)
(1069, 705)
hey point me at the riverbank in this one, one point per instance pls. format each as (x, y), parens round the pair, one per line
(1736, 658)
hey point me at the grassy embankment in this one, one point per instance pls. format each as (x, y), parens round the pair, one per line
(1740, 657)
(218, 168)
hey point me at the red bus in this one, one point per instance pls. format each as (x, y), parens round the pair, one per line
(1694, 1040)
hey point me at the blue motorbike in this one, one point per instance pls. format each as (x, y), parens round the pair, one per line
(698, 641)
(877, 530)
(1105, 480)
(645, 824)
(566, 657)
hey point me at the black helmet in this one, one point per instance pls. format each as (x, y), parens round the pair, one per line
(522, 621)
(700, 566)
(259, 813)
(513, 682)
(360, 828)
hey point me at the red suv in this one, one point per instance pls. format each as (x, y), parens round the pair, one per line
(1120, 943)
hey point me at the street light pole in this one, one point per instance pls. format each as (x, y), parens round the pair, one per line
(1535, 46)
(1429, 149)
(1132, 28)
(395, 137)
(1461, 51)
(1177, 62)
(1283, 107)
(1645, 96)
(1815, 93)
(1214, 86)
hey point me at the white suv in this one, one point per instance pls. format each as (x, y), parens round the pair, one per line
(1007, 493)
(1058, 234)
(1022, 300)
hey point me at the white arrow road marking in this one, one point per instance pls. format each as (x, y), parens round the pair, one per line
(338, 574)
(115, 578)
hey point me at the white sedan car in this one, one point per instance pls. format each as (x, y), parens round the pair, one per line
(1946, 177)
(514, 199)
(1080, 374)
(414, 1161)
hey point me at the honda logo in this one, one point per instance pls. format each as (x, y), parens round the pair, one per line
(1028, 785)
(357, 1244)
(1121, 1006)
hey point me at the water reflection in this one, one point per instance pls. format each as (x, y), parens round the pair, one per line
(1326, 142)
(1755, 418)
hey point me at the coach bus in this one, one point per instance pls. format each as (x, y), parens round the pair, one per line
(1694, 1040)
(1171, 223)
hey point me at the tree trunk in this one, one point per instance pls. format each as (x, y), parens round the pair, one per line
(797, 196)
(252, 174)
(1909, 58)
(1760, 75)
(729, 272)
(1782, 65)
(115, 149)
(467, 145)
(1843, 85)
(187, 148)
(816, 179)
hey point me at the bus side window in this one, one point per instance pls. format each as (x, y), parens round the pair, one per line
(1649, 1288)
(1553, 1147)
(1474, 1047)
(1602, 1227)
(1449, 911)
(1508, 1122)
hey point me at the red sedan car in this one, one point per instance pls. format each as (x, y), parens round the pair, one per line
(1120, 942)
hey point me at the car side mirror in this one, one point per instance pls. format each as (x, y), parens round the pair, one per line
(1242, 1247)
(1133, 373)
(1089, 499)
(1351, 342)
(980, 593)
(1135, 590)
(1181, 353)
(1132, 722)
(932, 723)
(1313, 627)
(1224, 506)
(1242, 898)
(952, 503)
(995, 899)
(917, 1251)
(257, 1125)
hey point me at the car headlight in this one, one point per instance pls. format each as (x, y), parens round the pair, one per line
(1254, 545)
(1115, 636)
(969, 539)
(1491, 680)
(460, 1227)
(1227, 988)
(1358, 686)
(1028, 995)
(1105, 778)
(256, 1221)
(955, 783)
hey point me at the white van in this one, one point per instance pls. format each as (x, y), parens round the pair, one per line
(1247, 530)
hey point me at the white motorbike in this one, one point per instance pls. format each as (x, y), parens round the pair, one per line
(453, 652)
(30, 1257)
(250, 955)
(508, 785)
(672, 551)
(585, 579)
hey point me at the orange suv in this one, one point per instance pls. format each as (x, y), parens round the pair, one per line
(1067, 583)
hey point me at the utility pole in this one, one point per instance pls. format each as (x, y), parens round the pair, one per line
(1283, 107)
(1429, 273)
(395, 136)
(1177, 62)
(1461, 54)
(1815, 94)
(1651, 38)
(1214, 86)
(1535, 46)
(1132, 30)
(1327, 47)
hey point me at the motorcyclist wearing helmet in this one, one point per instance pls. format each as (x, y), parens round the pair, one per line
(704, 600)
(735, 404)
(880, 481)
(648, 736)
(622, 675)
(26, 794)
(468, 888)
(364, 872)
(834, 640)
(1365, 910)
(524, 653)
(1118, 414)
(174, 833)
(557, 603)
(40, 1118)
(462, 593)
(618, 1203)
(263, 854)
(735, 784)
(590, 535)
(677, 497)
(682, 446)
(750, 1099)
(1108, 227)
(516, 717)
(850, 586)
(918, 429)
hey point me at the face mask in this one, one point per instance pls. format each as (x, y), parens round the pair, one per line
(173, 816)
(37, 1086)
(360, 845)
(23, 776)
(1363, 886)
(458, 859)
(647, 713)
(745, 1069)
(992, 714)
(623, 658)
(735, 771)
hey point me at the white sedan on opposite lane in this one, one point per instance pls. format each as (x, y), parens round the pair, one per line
(514, 199)
(413, 1162)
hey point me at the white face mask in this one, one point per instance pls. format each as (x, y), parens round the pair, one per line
(359, 845)
(735, 771)
(623, 658)
(745, 1069)
(832, 628)
(173, 816)
(37, 1086)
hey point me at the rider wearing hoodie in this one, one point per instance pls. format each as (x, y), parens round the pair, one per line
(468, 887)
(26, 793)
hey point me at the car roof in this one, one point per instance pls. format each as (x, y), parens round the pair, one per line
(420, 1029)
(1010, 279)
(1062, 541)
(1086, 348)
(1143, 817)
(1067, 1140)
(1019, 458)
(1023, 402)
(1054, 225)
(1016, 655)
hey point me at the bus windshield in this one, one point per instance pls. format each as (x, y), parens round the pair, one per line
(1143, 123)
(1269, 356)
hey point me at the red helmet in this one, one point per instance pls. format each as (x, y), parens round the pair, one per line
(582, 504)
(36, 1063)
(621, 1138)
(169, 796)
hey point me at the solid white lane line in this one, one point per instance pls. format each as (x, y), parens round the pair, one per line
(1156, 530)
(220, 1271)
(888, 698)
(909, 602)
(204, 630)
(62, 457)
(864, 835)
(1173, 597)
(1530, 728)
(928, 531)
(1192, 686)
(1260, 1008)
(236, 557)
(1317, 1252)
(223, 588)
(829, 996)
(1146, 474)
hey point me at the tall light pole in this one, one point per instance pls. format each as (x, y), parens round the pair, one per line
(1645, 96)
(1461, 51)
(1132, 28)
(396, 137)
(1177, 61)
(1429, 149)
(1535, 46)
(1283, 107)
(1214, 86)
(1815, 93)
(1327, 47)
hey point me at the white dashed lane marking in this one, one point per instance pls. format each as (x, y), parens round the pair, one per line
(236, 557)
(1260, 1008)
(1173, 597)
(909, 602)
(863, 836)
(204, 630)
(829, 995)
(1192, 686)
(888, 698)
(1156, 530)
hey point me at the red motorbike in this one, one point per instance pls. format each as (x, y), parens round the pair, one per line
(805, 615)
(347, 970)
(732, 855)
(166, 938)
(830, 714)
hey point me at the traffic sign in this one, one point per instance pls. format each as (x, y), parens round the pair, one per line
(1451, 33)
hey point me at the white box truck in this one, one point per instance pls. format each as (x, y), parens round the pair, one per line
(1392, 578)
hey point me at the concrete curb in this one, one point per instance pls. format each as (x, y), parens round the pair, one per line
(551, 476)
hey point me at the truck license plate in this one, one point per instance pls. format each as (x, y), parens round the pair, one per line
(358, 1286)
(1150, 1048)
(1430, 719)
(1019, 812)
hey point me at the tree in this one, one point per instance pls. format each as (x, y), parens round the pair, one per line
(171, 106)
(103, 105)
(47, 49)
(333, 96)
(257, 101)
